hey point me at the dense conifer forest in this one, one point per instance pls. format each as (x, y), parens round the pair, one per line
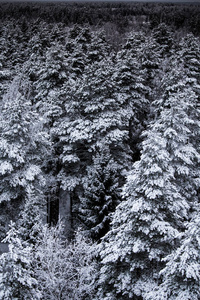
(99, 151)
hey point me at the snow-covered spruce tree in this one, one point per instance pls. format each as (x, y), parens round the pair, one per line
(151, 61)
(95, 115)
(84, 47)
(140, 233)
(8, 43)
(180, 84)
(50, 75)
(104, 107)
(65, 270)
(54, 87)
(99, 48)
(163, 35)
(181, 274)
(180, 268)
(5, 75)
(32, 215)
(23, 145)
(77, 44)
(160, 196)
(132, 90)
(189, 54)
(101, 193)
(19, 280)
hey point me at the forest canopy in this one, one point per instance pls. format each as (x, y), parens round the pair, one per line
(99, 138)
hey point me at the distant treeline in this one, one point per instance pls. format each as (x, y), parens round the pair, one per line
(124, 15)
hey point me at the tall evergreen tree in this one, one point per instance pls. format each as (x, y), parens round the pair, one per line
(23, 145)
(49, 79)
(18, 280)
(163, 35)
(18, 266)
(87, 122)
(160, 196)
(77, 48)
(189, 54)
(132, 90)
(101, 107)
(5, 76)
(181, 274)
